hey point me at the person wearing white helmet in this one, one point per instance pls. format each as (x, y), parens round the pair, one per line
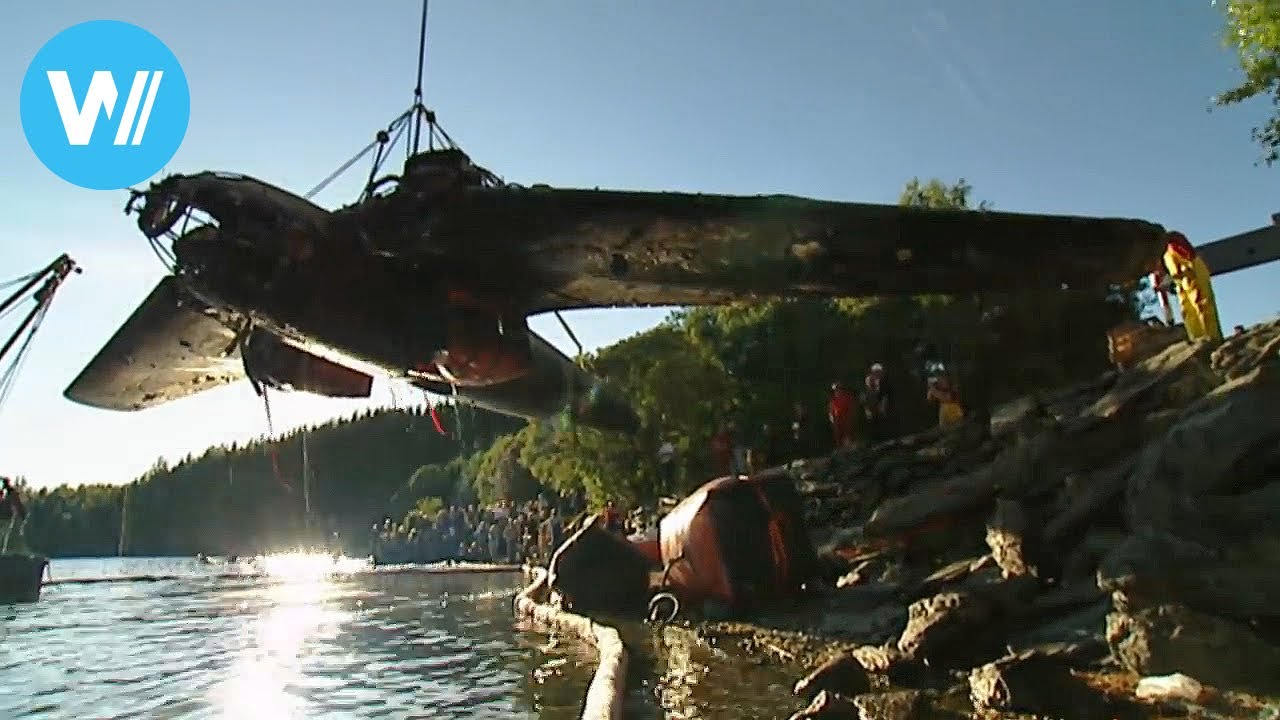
(876, 403)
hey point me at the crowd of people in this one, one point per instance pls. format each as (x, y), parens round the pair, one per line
(530, 532)
(506, 532)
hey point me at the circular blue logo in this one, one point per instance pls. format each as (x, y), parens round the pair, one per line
(105, 105)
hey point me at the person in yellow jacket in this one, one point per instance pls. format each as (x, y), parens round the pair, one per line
(950, 411)
(1195, 292)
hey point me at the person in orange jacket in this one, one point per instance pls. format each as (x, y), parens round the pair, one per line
(1190, 275)
(840, 412)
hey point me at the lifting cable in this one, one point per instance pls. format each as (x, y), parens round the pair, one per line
(10, 376)
(417, 90)
(579, 360)
(388, 136)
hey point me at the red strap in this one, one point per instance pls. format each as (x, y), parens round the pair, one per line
(435, 420)
(777, 541)
(275, 468)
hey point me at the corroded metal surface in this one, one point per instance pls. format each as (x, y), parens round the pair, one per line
(368, 286)
(171, 347)
(565, 248)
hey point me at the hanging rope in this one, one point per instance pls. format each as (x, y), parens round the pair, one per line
(270, 442)
(10, 377)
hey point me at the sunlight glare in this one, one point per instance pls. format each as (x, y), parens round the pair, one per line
(302, 565)
(268, 676)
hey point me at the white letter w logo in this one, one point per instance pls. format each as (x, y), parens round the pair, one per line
(80, 121)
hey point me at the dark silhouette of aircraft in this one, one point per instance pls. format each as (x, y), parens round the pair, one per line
(431, 278)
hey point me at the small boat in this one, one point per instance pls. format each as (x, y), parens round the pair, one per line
(21, 577)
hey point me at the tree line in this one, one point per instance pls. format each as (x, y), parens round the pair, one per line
(702, 366)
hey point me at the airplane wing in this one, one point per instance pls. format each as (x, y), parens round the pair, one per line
(569, 248)
(171, 347)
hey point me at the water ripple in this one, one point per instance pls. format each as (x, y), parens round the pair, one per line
(191, 644)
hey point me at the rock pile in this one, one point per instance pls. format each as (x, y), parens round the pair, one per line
(1105, 533)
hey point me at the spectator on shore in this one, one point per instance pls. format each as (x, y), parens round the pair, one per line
(875, 402)
(803, 439)
(738, 447)
(942, 392)
(666, 466)
(722, 451)
(840, 411)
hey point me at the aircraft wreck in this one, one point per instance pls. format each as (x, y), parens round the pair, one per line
(431, 275)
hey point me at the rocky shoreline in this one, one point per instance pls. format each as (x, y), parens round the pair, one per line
(1112, 550)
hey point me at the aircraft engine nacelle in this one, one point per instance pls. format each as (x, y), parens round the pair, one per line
(271, 362)
(552, 385)
(483, 346)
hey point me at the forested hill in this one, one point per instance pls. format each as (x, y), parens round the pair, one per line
(750, 363)
(233, 500)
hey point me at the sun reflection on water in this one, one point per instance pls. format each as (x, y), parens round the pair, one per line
(268, 678)
(302, 565)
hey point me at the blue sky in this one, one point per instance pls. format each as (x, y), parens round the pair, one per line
(1089, 107)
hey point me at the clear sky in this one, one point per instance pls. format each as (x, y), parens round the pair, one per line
(1088, 107)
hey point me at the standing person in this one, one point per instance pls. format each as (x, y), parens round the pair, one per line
(496, 529)
(666, 467)
(738, 447)
(612, 518)
(11, 504)
(511, 534)
(803, 441)
(765, 452)
(722, 451)
(876, 403)
(950, 410)
(1190, 275)
(840, 413)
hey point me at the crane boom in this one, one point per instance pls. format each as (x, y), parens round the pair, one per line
(42, 293)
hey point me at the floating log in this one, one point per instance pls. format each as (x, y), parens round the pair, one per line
(608, 686)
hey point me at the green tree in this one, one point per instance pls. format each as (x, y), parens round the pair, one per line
(939, 195)
(1253, 31)
(425, 510)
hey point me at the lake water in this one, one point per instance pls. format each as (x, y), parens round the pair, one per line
(299, 638)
